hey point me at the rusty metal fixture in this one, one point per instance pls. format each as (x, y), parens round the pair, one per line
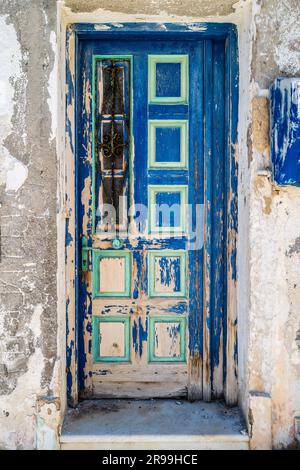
(113, 145)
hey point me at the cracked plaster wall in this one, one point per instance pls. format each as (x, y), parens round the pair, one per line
(28, 303)
(274, 229)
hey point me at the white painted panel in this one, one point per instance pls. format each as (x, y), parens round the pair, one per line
(112, 275)
(167, 339)
(111, 339)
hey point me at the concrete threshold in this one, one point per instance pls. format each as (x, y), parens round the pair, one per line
(153, 424)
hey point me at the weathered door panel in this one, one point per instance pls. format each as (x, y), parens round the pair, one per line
(144, 135)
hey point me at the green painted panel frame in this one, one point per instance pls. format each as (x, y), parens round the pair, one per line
(94, 163)
(184, 76)
(97, 340)
(151, 338)
(100, 254)
(162, 188)
(153, 124)
(151, 272)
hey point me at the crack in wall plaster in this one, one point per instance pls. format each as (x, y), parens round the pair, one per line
(295, 248)
(297, 338)
(52, 88)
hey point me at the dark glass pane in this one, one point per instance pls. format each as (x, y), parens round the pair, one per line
(112, 135)
(112, 92)
(113, 190)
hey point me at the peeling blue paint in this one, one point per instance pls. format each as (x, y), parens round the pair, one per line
(173, 330)
(69, 352)
(231, 170)
(170, 272)
(218, 229)
(71, 91)
(180, 308)
(140, 277)
(69, 237)
(135, 336)
(89, 327)
(139, 335)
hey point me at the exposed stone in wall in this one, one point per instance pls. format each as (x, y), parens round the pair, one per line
(260, 123)
(201, 8)
(28, 310)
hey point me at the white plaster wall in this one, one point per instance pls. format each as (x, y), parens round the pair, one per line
(274, 356)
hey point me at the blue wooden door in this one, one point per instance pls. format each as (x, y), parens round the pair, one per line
(143, 134)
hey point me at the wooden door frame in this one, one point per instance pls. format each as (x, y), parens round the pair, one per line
(228, 342)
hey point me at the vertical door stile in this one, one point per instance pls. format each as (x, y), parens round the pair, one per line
(69, 201)
(195, 391)
(85, 144)
(231, 207)
(208, 163)
(218, 237)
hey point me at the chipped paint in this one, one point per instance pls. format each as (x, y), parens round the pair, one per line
(139, 335)
(72, 347)
(168, 274)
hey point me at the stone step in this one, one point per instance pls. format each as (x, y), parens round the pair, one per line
(153, 424)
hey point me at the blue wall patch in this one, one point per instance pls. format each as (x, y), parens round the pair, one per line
(285, 130)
